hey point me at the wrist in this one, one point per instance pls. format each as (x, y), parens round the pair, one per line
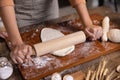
(75, 3)
(17, 43)
(88, 25)
(84, 15)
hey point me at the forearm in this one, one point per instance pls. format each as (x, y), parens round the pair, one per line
(80, 6)
(84, 15)
(9, 19)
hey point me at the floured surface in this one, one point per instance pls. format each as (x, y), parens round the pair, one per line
(38, 62)
(83, 52)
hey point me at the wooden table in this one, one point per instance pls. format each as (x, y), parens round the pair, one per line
(101, 10)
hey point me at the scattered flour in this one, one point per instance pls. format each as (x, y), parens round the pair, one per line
(39, 62)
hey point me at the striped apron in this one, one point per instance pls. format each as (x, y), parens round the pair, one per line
(30, 12)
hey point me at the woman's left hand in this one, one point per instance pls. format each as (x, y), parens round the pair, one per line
(4, 35)
(93, 32)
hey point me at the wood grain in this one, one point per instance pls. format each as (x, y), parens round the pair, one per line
(78, 75)
(83, 52)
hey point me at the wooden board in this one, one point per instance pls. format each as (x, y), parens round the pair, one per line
(83, 52)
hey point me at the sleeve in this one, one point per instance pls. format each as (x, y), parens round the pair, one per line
(77, 2)
(6, 3)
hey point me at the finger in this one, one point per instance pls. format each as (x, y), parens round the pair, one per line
(28, 61)
(2, 36)
(93, 38)
(13, 59)
(25, 50)
(5, 34)
(15, 51)
(30, 52)
(21, 55)
(19, 60)
(96, 34)
(99, 33)
(9, 45)
(89, 33)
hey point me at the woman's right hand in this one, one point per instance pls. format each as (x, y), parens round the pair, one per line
(93, 32)
(21, 53)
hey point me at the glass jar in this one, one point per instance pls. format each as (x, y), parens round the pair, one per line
(6, 68)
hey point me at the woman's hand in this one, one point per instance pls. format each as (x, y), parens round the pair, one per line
(93, 32)
(21, 53)
(4, 35)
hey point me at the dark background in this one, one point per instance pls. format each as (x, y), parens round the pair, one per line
(63, 3)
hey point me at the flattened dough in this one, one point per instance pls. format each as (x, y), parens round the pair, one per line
(49, 34)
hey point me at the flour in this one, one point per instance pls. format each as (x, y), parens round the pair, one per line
(96, 22)
(39, 62)
(33, 35)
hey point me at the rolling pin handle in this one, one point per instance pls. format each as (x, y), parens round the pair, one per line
(34, 53)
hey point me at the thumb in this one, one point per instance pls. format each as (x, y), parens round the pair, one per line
(30, 52)
(89, 34)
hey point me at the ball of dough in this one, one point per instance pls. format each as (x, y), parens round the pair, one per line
(68, 77)
(114, 35)
(118, 68)
(56, 76)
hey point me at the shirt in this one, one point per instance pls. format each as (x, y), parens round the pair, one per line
(35, 11)
(11, 3)
(30, 12)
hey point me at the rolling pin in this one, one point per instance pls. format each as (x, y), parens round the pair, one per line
(78, 75)
(59, 43)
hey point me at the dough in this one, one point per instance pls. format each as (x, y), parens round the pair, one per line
(68, 77)
(56, 76)
(114, 35)
(64, 52)
(105, 25)
(49, 34)
(118, 68)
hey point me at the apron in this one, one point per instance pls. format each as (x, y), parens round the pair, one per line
(30, 12)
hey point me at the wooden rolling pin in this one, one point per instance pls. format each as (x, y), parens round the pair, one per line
(78, 75)
(59, 43)
(75, 76)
